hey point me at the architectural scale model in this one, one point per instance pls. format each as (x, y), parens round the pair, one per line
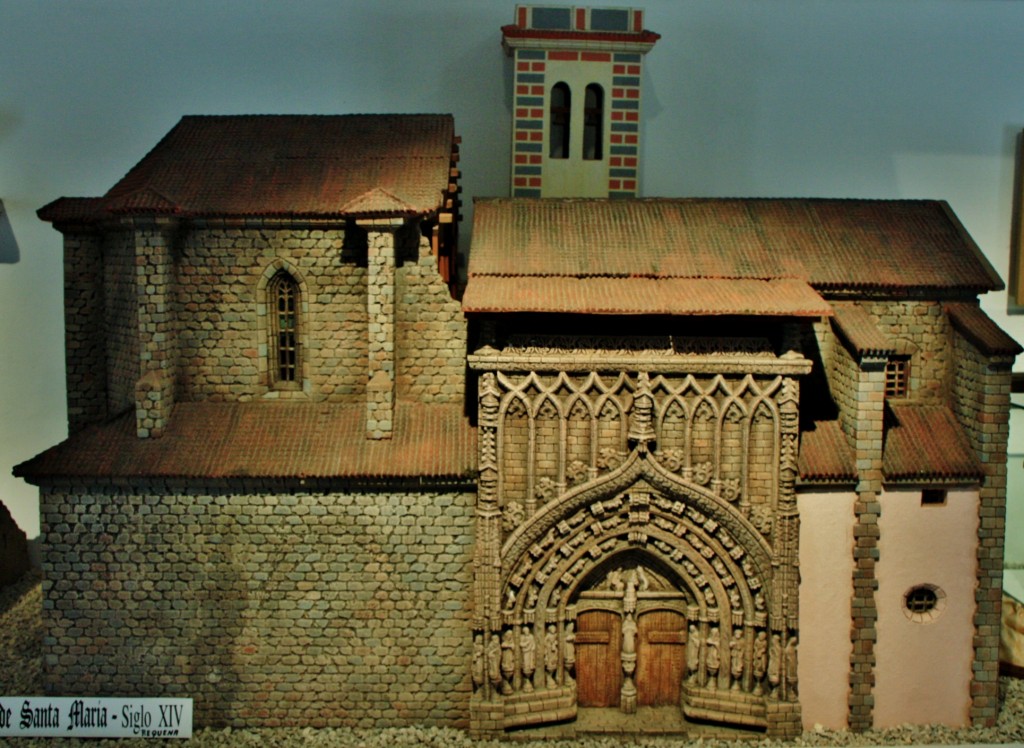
(743, 458)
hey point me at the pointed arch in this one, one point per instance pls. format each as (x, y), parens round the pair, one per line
(282, 322)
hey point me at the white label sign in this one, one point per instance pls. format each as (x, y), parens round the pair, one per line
(41, 716)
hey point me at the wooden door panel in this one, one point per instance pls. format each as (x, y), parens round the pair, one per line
(598, 658)
(660, 657)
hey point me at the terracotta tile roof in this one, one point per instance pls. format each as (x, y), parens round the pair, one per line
(925, 442)
(834, 245)
(979, 328)
(284, 165)
(856, 327)
(825, 454)
(681, 296)
(268, 440)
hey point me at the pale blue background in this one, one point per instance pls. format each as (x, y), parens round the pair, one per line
(837, 98)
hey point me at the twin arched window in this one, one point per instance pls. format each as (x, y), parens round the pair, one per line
(560, 122)
(283, 303)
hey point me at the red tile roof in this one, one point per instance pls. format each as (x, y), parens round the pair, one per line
(857, 328)
(926, 442)
(283, 165)
(834, 245)
(268, 440)
(825, 454)
(979, 328)
(681, 296)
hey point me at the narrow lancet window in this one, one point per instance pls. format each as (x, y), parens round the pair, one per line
(284, 301)
(558, 133)
(593, 117)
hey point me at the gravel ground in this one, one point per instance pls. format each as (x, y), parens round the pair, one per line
(21, 674)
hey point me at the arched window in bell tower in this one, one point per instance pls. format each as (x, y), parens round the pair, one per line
(593, 118)
(560, 115)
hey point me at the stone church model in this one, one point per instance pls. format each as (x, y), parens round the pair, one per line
(741, 457)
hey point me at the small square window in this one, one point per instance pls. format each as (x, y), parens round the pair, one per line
(897, 377)
(933, 497)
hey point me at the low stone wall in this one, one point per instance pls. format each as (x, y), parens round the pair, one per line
(340, 609)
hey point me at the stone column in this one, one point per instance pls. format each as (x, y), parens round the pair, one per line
(380, 309)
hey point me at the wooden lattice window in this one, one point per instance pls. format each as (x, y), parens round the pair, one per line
(593, 118)
(558, 132)
(897, 377)
(284, 329)
(924, 603)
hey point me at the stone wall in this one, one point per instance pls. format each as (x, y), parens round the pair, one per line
(219, 305)
(266, 608)
(121, 317)
(84, 344)
(981, 401)
(430, 332)
(921, 329)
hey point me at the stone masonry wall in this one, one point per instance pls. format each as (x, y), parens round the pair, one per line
(266, 608)
(923, 325)
(982, 405)
(121, 304)
(218, 302)
(430, 333)
(84, 345)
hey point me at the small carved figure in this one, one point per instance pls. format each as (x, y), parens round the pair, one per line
(791, 667)
(570, 646)
(774, 664)
(693, 652)
(760, 661)
(510, 599)
(478, 662)
(734, 600)
(629, 630)
(494, 665)
(528, 654)
(615, 580)
(643, 583)
(713, 657)
(508, 661)
(551, 655)
(736, 647)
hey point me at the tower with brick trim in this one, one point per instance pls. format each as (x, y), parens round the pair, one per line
(576, 108)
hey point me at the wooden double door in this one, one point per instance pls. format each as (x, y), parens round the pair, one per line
(660, 658)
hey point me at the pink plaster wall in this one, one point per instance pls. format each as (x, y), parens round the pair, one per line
(923, 669)
(826, 590)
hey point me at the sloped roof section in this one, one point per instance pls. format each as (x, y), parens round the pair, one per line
(679, 296)
(926, 442)
(834, 245)
(268, 440)
(825, 454)
(979, 328)
(856, 327)
(285, 166)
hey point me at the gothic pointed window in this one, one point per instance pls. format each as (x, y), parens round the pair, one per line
(593, 118)
(560, 110)
(284, 305)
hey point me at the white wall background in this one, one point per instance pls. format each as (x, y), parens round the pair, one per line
(831, 98)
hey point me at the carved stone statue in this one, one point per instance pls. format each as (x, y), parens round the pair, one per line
(736, 651)
(693, 652)
(774, 663)
(760, 661)
(478, 674)
(569, 656)
(714, 659)
(791, 667)
(494, 665)
(551, 655)
(528, 655)
(629, 630)
(508, 661)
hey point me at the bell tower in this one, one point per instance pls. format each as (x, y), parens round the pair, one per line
(576, 108)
